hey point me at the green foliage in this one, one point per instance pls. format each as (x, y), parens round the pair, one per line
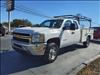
(18, 22)
(5, 24)
(36, 25)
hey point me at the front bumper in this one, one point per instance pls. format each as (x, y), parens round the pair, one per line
(34, 49)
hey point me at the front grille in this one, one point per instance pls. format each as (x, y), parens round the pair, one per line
(22, 37)
(21, 34)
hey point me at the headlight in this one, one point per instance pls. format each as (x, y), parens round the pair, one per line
(42, 38)
(38, 38)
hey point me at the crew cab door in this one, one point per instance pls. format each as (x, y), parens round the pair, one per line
(67, 36)
(76, 33)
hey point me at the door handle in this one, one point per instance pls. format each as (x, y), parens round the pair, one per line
(73, 32)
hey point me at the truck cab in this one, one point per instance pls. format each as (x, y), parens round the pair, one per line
(70, 29)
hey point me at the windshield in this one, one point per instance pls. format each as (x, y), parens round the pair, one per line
(51, 23)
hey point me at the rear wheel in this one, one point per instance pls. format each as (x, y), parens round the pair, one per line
(3, 34)
(51, 52)
(87, 42)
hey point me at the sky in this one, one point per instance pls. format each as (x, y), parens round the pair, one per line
(53, 8)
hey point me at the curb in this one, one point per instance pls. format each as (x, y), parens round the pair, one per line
(87, 62)
(84, 64)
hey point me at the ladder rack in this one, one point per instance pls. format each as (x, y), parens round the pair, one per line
(83, 18)
(75, 17)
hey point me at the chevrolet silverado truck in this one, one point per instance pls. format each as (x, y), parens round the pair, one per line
(46, 38)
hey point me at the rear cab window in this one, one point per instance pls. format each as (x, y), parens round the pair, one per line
(76, 25)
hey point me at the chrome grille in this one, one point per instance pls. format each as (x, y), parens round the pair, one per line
(22, 37)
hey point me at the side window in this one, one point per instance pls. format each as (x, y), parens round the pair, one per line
(67, 24)
(76, 26)
(47, 24)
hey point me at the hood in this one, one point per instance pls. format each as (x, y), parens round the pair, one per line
(35, 29)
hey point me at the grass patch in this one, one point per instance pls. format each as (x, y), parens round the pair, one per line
(92, 69)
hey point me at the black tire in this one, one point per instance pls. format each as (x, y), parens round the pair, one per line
(51, 53)
(3, 34)
(86, 43)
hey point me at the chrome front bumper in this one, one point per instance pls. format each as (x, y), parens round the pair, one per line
(34, 49)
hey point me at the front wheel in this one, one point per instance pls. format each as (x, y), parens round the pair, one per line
(87, 42)
(51, 52)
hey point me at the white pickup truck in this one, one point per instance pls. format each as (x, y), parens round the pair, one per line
(46, 39)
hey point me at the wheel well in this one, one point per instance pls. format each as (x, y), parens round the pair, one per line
(89, 36)
(55, 40)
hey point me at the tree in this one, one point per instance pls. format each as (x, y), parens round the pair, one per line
(36, 25)
(18, 22)
(5, 24)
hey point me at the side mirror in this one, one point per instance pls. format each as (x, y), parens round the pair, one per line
(72, 26)
(64, 28)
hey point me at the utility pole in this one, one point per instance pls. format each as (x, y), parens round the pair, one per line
(10, 7)
(9, 17)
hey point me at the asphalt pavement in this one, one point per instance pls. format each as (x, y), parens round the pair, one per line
(5, 43)
(69, 58)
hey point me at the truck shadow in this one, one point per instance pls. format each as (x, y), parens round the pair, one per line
(96, 41)
(70, 48)
(12, 62)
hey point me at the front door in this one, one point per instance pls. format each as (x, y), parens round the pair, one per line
(67, 34)
(76, 34)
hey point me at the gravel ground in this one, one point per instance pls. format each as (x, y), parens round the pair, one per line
(93, 68)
